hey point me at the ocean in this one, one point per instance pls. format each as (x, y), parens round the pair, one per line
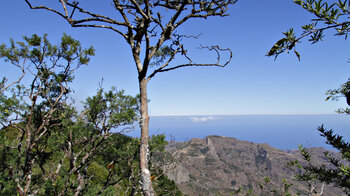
(280, 131)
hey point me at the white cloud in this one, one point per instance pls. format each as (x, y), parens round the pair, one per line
(203, 119)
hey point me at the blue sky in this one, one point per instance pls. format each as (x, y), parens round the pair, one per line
(251, 84)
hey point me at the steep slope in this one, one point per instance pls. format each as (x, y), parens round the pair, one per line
(219, 165)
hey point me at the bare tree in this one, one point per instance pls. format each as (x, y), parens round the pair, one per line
(149, 28)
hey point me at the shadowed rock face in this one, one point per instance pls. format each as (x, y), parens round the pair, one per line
(219, 165)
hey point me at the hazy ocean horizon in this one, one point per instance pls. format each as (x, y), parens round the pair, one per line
(279, 131)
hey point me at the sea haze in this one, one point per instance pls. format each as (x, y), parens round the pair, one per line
(280, 131)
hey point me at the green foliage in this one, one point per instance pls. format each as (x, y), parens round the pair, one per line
(47, 147)
(51, 65)
(164, 186)
(97, 172)
(285, 44)
(111, 109)
(157, 143)
(342, 91)
(326, 16)
(267, 179)
(335, 171)
(268, 188)
(7, 106)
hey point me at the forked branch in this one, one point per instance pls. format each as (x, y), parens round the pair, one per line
(219, 63)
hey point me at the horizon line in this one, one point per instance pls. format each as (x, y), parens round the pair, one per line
(286, 114)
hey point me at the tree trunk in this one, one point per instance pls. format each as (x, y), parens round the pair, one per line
(146, 183)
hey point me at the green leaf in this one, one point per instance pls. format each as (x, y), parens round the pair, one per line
(297, 53)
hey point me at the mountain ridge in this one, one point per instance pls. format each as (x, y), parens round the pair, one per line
(219, 165)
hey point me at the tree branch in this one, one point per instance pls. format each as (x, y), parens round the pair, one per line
(2, 85)
(217, 49)
(64, 7)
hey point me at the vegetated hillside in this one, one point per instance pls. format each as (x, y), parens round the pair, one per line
(219, 165)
